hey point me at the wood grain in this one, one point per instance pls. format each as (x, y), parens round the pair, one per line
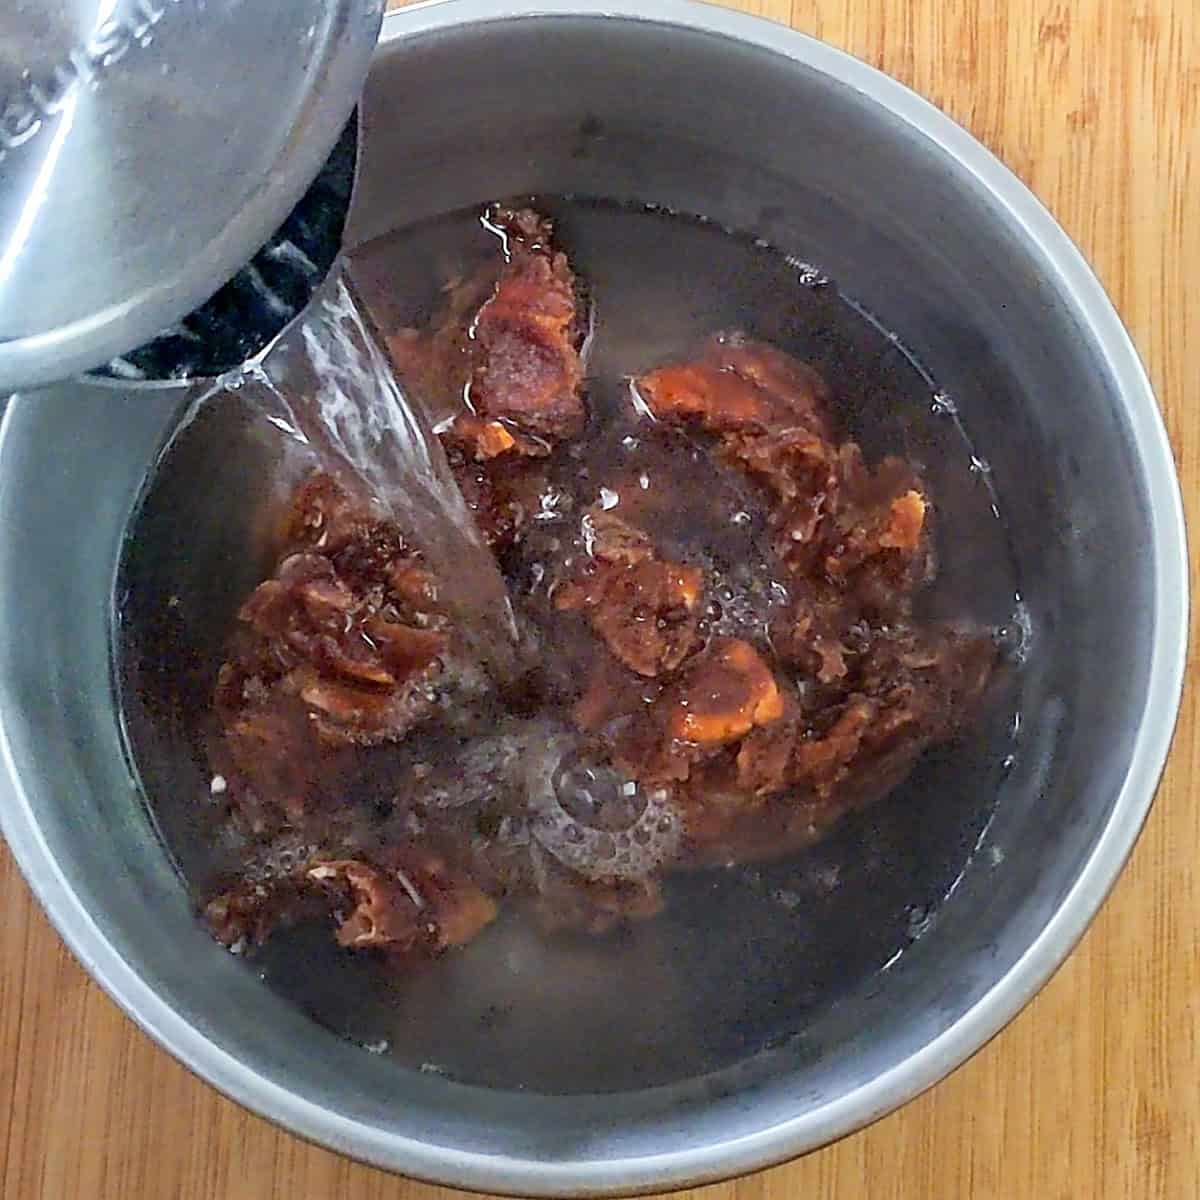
(1095, 1090)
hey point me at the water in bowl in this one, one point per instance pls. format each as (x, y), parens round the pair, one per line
(743, 958)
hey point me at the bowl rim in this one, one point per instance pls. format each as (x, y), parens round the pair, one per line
(1008, 995)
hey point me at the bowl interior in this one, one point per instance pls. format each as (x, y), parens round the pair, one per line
(743, 958)
(455, 115)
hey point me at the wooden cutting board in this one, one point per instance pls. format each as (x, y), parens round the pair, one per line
(1094, 1091)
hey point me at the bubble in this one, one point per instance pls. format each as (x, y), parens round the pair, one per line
(1014, 637)
(280, 859)
(807, 275)
(584, 814)
(552, 505)
(919, 921)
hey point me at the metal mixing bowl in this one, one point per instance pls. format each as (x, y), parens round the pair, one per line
(767, 131)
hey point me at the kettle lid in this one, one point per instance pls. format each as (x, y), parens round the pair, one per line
(148, 148)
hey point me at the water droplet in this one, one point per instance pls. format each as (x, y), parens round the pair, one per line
(807, 275)
(639, 404)
(587, 532)
(919, 921)
(1013, 638)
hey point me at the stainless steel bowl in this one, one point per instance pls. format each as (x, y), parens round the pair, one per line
(764, 130)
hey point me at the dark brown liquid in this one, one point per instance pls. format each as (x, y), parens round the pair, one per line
(742, 957)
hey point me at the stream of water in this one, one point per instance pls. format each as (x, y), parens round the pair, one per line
(328, 384)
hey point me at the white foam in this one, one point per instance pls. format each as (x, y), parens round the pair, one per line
(632, 853)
